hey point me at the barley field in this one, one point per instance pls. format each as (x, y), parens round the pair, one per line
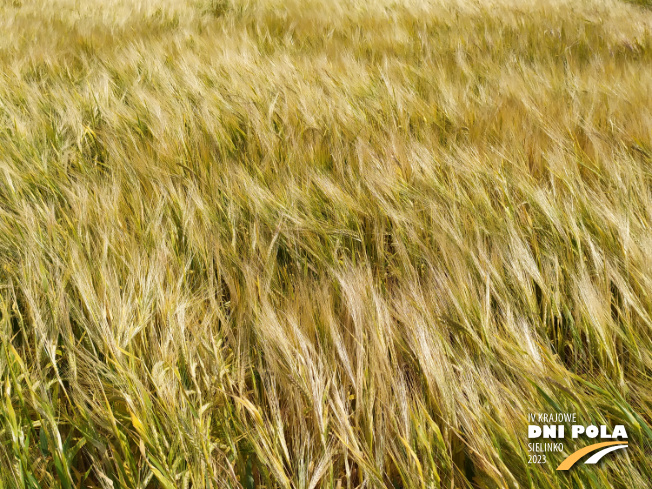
(322, 243)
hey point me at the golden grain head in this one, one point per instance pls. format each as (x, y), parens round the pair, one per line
(322, 244)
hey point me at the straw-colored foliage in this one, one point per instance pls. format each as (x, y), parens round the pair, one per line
(322, 244)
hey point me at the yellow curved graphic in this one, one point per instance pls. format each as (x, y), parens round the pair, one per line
(574, 457)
